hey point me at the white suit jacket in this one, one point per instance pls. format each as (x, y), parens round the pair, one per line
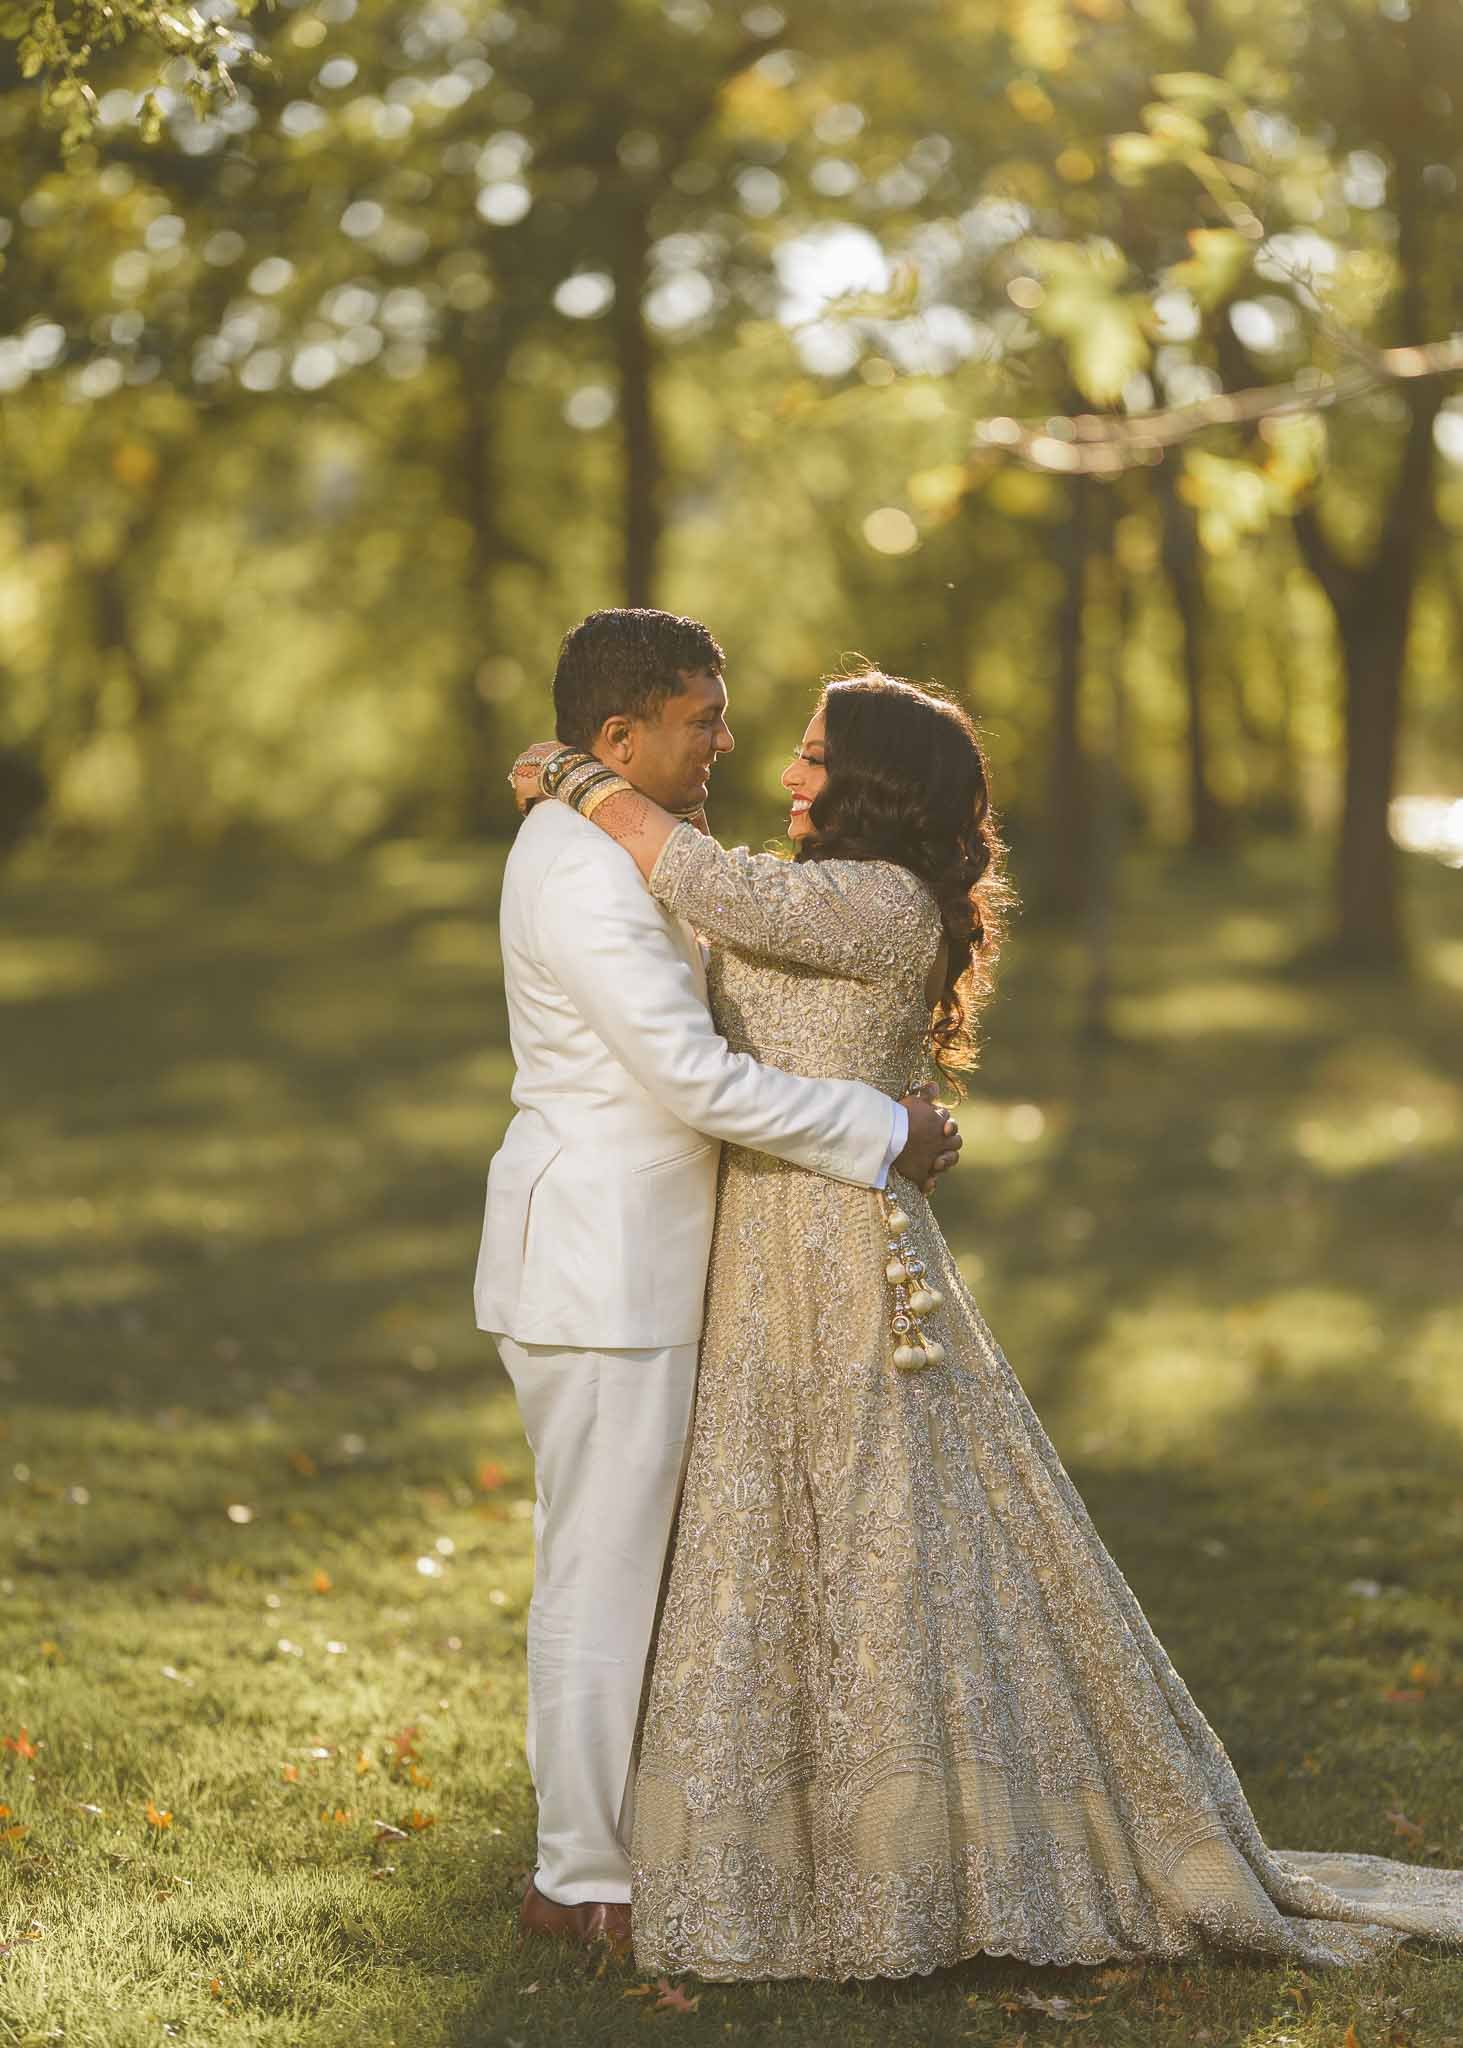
(600, 1202)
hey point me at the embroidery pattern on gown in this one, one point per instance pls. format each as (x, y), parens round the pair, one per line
(904, 1706)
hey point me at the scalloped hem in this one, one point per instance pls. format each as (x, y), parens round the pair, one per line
(733, 1974)
(1085, 1959)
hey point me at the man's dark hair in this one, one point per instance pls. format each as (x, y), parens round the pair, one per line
(626, 663)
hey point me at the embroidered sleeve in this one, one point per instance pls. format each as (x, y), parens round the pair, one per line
(856, 920)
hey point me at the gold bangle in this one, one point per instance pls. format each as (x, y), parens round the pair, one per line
(579, 778)
(591, 802)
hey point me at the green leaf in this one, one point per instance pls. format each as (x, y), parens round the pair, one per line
(1133, 156)
(1109, 348)
(1195, 91)
(1220, 262)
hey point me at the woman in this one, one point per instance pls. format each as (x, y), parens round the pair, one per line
(904, 1707)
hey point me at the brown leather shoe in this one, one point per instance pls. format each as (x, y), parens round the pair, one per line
(594, 1920)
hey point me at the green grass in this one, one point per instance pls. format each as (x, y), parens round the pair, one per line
(248, 1113)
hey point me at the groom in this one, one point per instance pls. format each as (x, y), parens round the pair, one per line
(598, 1222)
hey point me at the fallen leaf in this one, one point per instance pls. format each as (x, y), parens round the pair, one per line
(216, 1986)
(1052, 2008)
(1401, 1825)
(385, 1832)
(1403, 1696)
(1423, 1674)
(16, 1832)
(157, 1818)
(290, 1773)
(21, 1745)
(672, 1998)
(364, 1763)
(304, 1464)
(420, 1820)
(50, 1649)
(339, 1816)
(490, 1475)
(1351, 2040)
(320, 1581)
(404, 1745)
(419, 1777)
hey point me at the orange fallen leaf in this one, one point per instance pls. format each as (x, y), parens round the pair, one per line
(1403, 1696)
(340, 1818)
(420, 1820)
(21, 1745)
(53, 1650)
(304, 1464)
(672, 1998)
(364, 1763)
(1351, 2040)
(320, 1581)
(404, 1744)
(1401, 1825)
(1423, 1674)
(490, 1475)
(419, 1777)
(157, 1817)
(16, 1832)
(290, 1773)
(216, 1986)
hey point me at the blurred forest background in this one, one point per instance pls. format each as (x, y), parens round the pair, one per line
(1102, 359)
(1097, 357)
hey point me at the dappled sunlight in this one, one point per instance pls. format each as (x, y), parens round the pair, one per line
(231, 1084)
(1432, 1364)
(1170, 1377)
(1250, 939)
(38, 966)
(1204, 1008)
(457, 942)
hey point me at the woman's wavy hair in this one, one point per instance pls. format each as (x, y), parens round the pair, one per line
(907, 782)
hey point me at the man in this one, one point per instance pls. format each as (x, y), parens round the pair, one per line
(600, 1205)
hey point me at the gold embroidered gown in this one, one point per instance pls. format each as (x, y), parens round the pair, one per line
(904, 1708)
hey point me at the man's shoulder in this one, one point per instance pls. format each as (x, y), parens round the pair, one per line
(555, 845)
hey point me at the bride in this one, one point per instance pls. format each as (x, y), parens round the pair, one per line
(904, 1708)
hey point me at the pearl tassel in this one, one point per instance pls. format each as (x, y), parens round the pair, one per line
(913, 1300)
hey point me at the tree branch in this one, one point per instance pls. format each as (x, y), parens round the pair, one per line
(1104, 444)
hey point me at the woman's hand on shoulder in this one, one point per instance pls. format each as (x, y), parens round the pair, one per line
(523, 776)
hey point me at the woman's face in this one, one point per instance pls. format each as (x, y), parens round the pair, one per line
(804, 777)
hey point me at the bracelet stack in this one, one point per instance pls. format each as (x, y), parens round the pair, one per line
(580, 780)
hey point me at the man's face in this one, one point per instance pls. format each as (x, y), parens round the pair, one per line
(670, 758)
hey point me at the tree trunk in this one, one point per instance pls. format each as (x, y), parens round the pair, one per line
(1182, 561)
(1109, 774)
(635, 360)
(1069, 806)
(1373, 607)
(478, 805)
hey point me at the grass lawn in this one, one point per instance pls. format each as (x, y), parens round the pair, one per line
(267, 1545)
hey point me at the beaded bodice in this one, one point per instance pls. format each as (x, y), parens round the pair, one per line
(819, 967)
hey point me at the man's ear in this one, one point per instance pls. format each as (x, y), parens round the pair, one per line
(617, 737)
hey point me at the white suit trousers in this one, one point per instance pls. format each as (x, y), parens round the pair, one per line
(610, 1433)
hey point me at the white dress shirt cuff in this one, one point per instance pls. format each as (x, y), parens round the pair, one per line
(898, 1139)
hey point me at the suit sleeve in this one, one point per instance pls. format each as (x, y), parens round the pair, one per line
(855, 920)
(604, 940)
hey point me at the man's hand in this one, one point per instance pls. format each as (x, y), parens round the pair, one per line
(934, 1141)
